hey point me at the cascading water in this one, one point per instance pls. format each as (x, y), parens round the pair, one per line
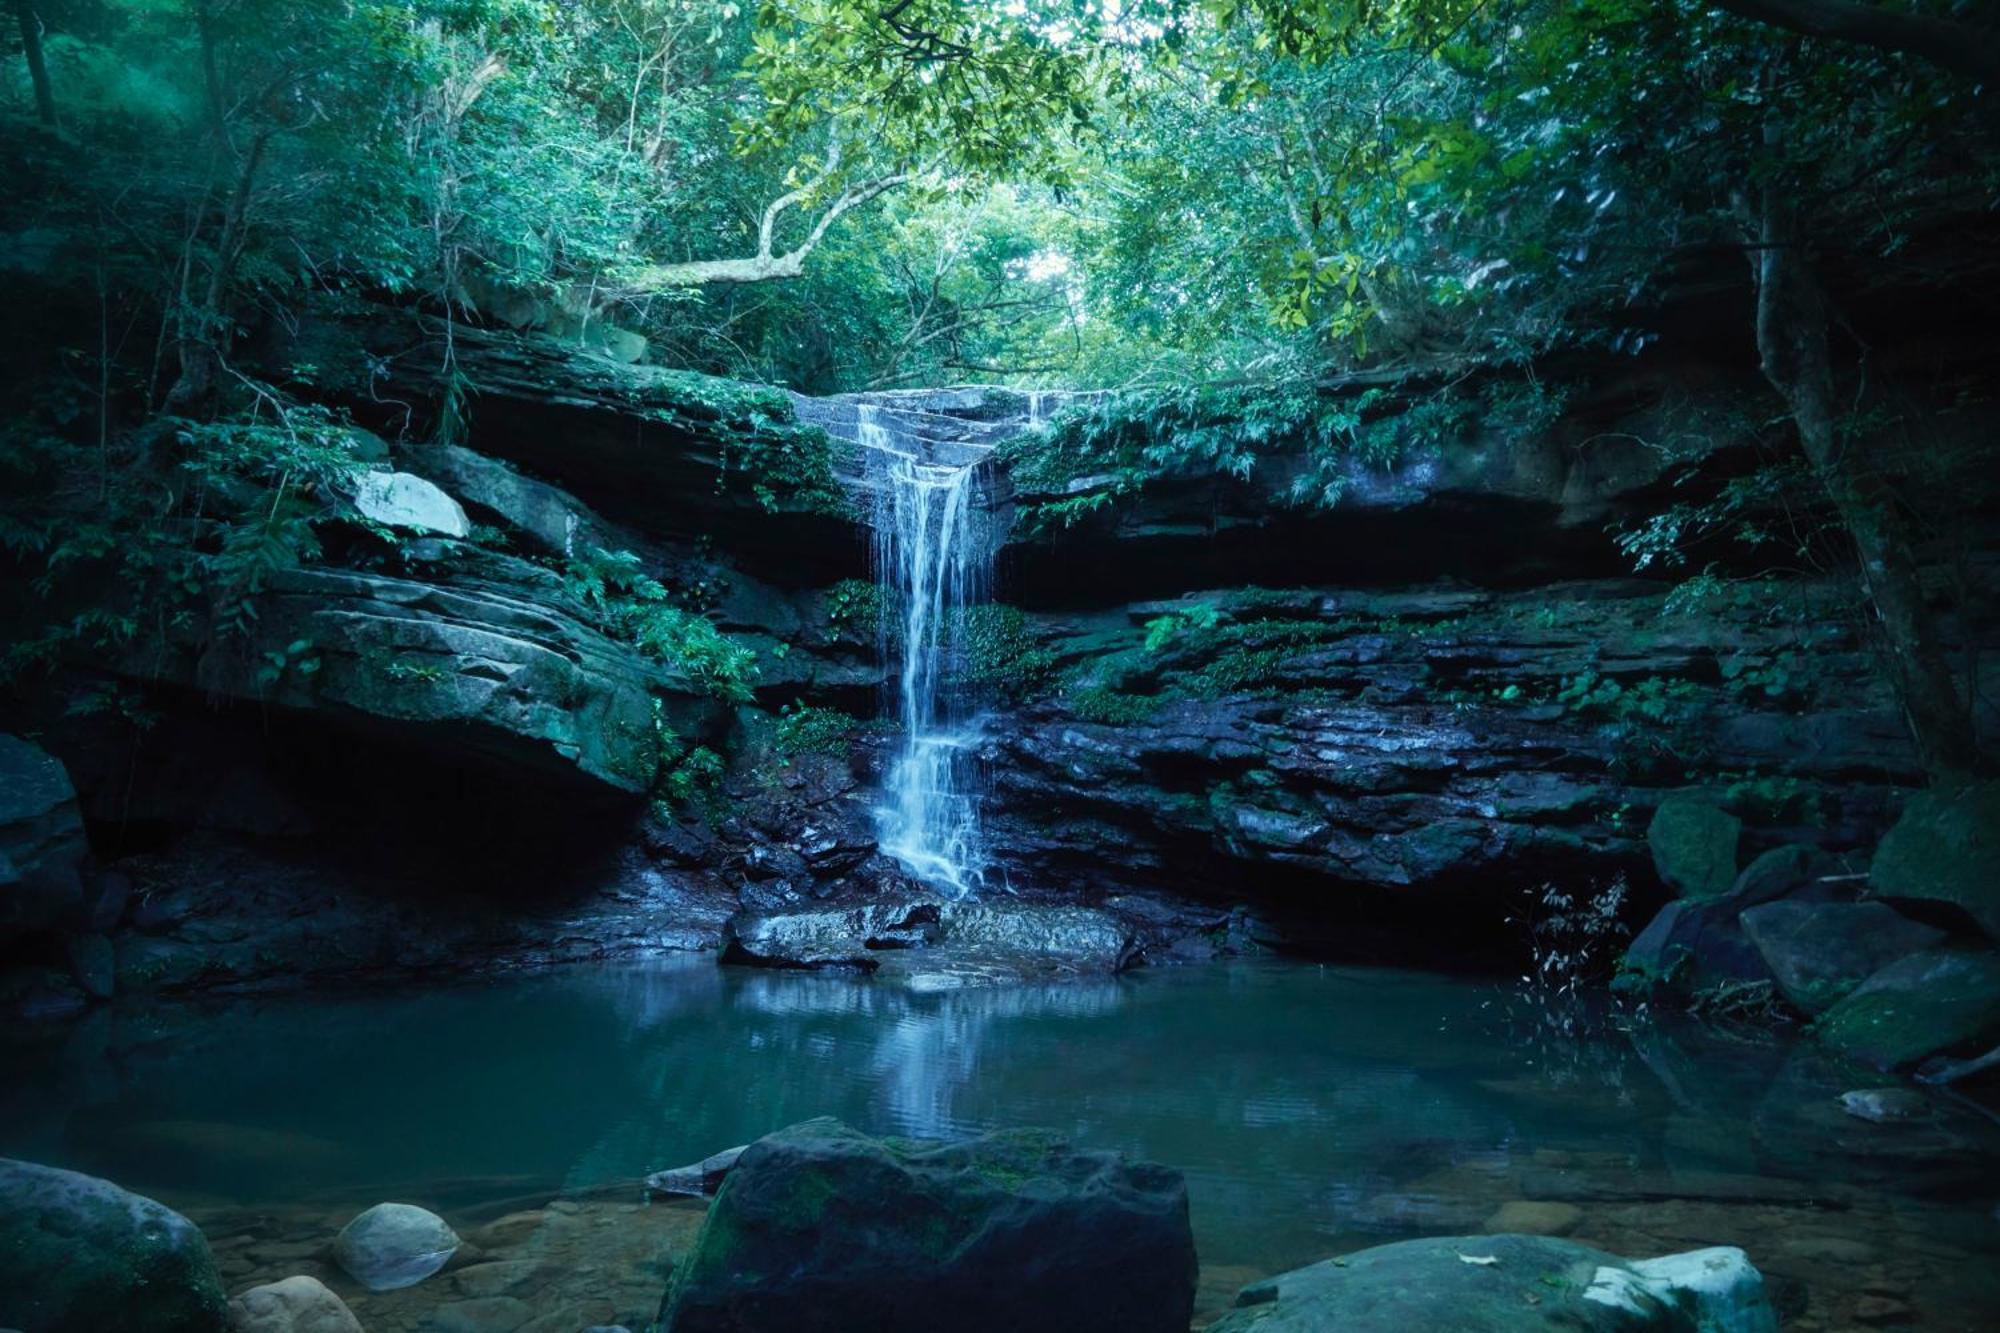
(932, 568)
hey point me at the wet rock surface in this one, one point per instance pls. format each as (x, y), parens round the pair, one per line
(821, 1228)
(1502, 1283)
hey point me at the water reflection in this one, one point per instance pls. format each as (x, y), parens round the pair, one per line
(1312, 1109)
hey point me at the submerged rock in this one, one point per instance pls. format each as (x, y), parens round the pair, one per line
(1917, 1006)
(1694, 846)
(1507, 1284)
(1886, 1106)
(1946, 848)
(295, 1305)
(1536, 1217)
(394, 1245)
(822, 1229)
(80, 1255)
(702, 1178)
(1819, 952)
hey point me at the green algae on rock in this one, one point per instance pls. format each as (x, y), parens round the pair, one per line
(821, 1229)
(1945, 848)
(1694, 846)
(1917, 1006)
(80, 1255)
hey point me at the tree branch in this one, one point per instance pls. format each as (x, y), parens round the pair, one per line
(765, 265)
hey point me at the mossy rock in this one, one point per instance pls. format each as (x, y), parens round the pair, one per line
(1918, 1006)
(81, 1255)
(820, 1229)
(1694, 846)
(1946, 848)
(1507, 1284)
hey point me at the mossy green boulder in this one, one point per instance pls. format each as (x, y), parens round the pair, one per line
(80, 1255)
(1918, 1006)
(1946, 847)
(1694, 846)
(822, 1229)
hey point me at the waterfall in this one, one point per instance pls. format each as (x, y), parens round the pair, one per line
(931, 567)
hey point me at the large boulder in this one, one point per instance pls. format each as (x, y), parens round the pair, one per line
(394, 1245)
(1694, 846)
(1692, 946)
(1917, 1006)
(551, 517)
(1819, 952)
(296, 1305)
(41, 839)
(81, 1255)
(1699, 943)
(404, 500)
(1946, 847)
(822, 1229)
(1508, 1284)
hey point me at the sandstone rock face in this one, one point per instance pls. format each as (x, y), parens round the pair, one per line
(41, 839)
(80, 1255)
(1508, 1284)
(394, 1245)
(1426, 739)
(821, 1229)
(501, 668)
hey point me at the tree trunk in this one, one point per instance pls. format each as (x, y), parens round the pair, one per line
(38, 65)
(1966, 47)
(1792, 342)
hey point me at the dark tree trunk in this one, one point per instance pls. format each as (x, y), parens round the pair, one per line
(1964, 46)
(1792, 342)
(38, 65)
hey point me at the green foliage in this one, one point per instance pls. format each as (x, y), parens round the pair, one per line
(994, 647)
(1161, 630)
(810, 729)
(853, 611)
(1109, 707)
(632, 605)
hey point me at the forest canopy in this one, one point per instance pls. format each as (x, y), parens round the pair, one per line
(835, 195)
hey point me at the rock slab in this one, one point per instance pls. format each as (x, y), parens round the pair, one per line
(820, 1228)
(80, 1255)
(1508, 1284)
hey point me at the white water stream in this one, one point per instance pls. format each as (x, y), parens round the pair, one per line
(931, 567)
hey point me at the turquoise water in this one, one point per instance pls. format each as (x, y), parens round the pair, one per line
(1314, 1110)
